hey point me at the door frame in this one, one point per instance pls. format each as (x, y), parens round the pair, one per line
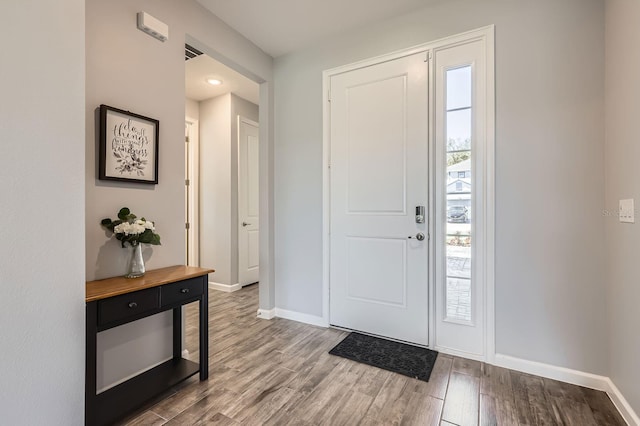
(193, 159)
(485, 34)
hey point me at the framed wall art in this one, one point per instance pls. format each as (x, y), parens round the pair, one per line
(128, 146)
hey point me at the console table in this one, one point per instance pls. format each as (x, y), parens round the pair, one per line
(116, 301)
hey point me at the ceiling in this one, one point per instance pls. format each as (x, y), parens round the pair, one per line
(198, 69)
(282, 26)
(279, 27)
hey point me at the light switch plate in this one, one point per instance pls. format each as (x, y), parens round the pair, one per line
(627, 211)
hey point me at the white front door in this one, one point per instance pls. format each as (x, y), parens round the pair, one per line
(248, 224)
(379, 175)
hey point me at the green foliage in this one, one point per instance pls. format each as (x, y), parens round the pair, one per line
(458, 151)
(457, 157)
(136, 231)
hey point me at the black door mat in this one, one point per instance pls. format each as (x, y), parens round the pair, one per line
(409, 360)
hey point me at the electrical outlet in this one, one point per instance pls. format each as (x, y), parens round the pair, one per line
(627, 211)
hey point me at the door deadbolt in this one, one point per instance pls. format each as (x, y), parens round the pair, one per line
(420, 214)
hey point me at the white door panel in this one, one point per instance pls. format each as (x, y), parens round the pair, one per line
(248, 223)
(379, 174)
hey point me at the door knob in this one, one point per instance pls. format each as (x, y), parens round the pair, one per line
(245, 224)
(419, 236)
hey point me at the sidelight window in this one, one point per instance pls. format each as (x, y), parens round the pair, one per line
(458, 239)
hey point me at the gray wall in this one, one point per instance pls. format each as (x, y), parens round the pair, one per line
(42, 208)
(549, 168)
(623, 175)
(128, 69)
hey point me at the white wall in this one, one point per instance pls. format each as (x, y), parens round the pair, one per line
(42, 192)
(192, 109)
(622, 177)
(219, 184)
(549, 169)
(128, 69)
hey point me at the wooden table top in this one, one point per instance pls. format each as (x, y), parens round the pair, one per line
(109, 287)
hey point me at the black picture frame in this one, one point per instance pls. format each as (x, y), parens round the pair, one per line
(129, 145)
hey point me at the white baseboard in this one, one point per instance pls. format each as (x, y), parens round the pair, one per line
(267, 313)
(549, 371)
(227, 288)
(575, 377)
(300, 317)
(622, 404)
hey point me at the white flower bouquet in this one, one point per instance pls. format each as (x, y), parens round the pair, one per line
(129, 229)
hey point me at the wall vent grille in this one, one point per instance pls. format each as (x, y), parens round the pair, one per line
(190, 52)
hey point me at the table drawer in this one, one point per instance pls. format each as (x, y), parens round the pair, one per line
(183, 290)
(128, 305)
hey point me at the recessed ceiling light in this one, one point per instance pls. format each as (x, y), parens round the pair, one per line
(214, 81)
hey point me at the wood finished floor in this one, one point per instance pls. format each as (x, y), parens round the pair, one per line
(278, 372)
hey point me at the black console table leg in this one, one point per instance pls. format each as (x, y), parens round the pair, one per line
(177, 333)
(204, 331)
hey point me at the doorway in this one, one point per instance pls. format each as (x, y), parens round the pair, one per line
(216, 96)
(248, 200)
(403, 132)
(379, 177)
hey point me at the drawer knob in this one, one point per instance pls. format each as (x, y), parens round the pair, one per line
(184, 291)
(133, 305)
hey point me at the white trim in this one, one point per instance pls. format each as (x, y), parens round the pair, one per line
(486, 34)
(243, 119)
(458, 353)
(326, 192)
(227, 288)
(300, 317)
(623, 406)
(567, 375)
(489, 196)
(267, 313)
(549, 371)
(193, 158)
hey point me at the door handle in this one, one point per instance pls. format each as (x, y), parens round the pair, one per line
(245, 224)
(419, 236)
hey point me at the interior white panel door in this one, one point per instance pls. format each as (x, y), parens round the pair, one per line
(248, 223)
(379, 174)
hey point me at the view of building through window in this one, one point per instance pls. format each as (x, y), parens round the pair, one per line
(458, 193)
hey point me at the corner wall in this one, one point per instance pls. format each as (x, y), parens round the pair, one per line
(622, 182)
(42, 280)
(549, 171)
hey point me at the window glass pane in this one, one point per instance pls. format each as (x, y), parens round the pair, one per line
(459, 130)
(459, 299)
(459, 88)
(459, 182)
(457, 164)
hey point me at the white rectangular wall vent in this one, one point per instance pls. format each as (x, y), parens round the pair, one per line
(153, 26)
